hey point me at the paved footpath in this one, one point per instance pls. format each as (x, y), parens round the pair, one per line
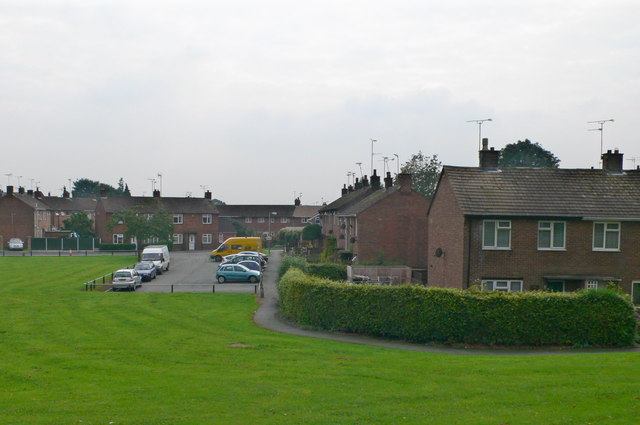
(267, 316)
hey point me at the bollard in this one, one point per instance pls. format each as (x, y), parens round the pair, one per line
(213, 289)
(172, 288)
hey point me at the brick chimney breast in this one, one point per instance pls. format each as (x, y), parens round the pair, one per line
(612, 161)
(375, 180)
(207, 195)
(489, 158)
(9, 190)
(404, 179)
(156, 193)
(345, 190)
(388, 181)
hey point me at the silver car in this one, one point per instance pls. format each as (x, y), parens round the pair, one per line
(126, 279)
(16, 244)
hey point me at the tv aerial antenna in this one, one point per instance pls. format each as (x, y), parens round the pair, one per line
(601, 130)
(480, 122)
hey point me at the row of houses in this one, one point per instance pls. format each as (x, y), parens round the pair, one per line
(511, 229)
(198, 223)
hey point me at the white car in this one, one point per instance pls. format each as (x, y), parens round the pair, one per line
(16, 244)
(126, 279)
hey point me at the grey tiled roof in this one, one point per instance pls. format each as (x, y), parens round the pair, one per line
(371, 199)
(306, 210)
(546, 192)
(33, 202)
(346, 200)
(255, 210)
(150, 204)
(71, 204)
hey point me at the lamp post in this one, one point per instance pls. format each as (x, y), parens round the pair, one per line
(272, 213)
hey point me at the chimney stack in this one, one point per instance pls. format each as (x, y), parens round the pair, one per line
(156, 193)
(30, 192)
(612, 161)
(489, 158)
(388, 181)
(9, 190)
(297, 202)
(345, 190)
(365, 181)
(350, 189)
(38, 194)
(375, 180)
(21, 190)
(207, 195)
(358, 184)
(404, 180)
(65, 193)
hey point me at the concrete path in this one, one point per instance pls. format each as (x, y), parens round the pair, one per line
(267, 316)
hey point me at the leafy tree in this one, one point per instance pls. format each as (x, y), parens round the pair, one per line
(425, 172)
(311, 232)
(80, 223)
(142, 226)
(217, 202)
(527, 154)
(241, 230)
(86, 188)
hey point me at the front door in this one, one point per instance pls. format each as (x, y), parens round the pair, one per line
(635, 292)
(555, 286)
(192, 242)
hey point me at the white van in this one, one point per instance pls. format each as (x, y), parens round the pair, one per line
(160, 256)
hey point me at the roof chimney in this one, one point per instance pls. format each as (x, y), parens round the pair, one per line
(404, 179)
(103, 193)
(156, 193)
(297, 202)
(65, 193)
(345, 190)
(21, 190)
(612, 161)
(375, 180)
(365, 181)
(38, 194)
(489, 158)
(30, 192)
(388, 181)
(207, 195)
(350, 188)
(9, 190)
(358, 184)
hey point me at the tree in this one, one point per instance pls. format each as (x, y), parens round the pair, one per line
(527, 154)
(142, 226)
(86, 188)
(311, 232)
(80, 223)
(241, 230)
(425, 172)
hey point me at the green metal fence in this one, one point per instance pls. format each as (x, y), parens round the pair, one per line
(65, 244)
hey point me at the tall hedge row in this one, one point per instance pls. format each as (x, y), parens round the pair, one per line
(589, 318)
(325, 270)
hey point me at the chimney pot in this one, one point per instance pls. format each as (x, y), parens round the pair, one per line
(485, 143)
(375, 180)
(388, 181)
(344, 190)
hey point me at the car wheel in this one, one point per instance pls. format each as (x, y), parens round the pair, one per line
(217, 258)
(221, 279)
(253, 279)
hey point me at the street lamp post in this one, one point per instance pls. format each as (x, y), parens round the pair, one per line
(272, 213)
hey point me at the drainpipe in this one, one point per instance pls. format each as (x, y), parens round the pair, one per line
(469, 254)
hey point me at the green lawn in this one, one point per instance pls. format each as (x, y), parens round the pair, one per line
(74, 357)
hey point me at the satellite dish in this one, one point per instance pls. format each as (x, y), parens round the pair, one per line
(439, 252)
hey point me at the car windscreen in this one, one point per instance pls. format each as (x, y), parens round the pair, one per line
(122, 274)
(144, 266)
(151, 256)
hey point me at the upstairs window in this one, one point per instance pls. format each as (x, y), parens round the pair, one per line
(496, 234)
(551, 235)
(248, 219)
(260, 219)
(206, 219)
(606, 236)
(177, 219)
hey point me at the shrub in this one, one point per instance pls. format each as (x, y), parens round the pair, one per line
(588, 318)
(328, 271)
(292, 261)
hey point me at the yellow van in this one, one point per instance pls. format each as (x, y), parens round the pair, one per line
(234, 245)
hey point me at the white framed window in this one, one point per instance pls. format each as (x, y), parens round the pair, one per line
(284, 219)
(207, 238)
(206, 219)
(606, 236)
(551, 235)
(177, 219)
(118, 238)
(303, 220)
(273, 220)
(496, 234)
(260, 219)
(177, 238)
(248, 219)
(504, 285)
(220, 237)
(591, 284)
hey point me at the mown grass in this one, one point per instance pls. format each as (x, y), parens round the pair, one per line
(74, 357)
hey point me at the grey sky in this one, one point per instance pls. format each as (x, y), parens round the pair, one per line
(258, 100)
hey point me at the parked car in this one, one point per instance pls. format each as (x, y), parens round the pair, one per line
(126, 279)
(160, 256)
(147, 270)
(251, 265)
(255, 258)
(236, 273)
(16, 244)
(265, 257)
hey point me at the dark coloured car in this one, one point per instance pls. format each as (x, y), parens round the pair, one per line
(147, 270)
(252, 265)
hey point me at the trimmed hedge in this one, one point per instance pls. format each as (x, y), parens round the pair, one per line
(588, 318)
(324, 270)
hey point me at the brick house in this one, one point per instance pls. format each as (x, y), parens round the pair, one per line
(63, 207)
(381, 223)
(195, 220)
(23, 215)
(257, 217)
(517, 229)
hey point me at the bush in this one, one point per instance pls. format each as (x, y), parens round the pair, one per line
(292, 261)
(117, 247)
(587, 318)
(328, 271)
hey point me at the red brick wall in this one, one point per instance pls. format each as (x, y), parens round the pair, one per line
(16, 219)
(447, 231)
(396, 227)
(524, 261)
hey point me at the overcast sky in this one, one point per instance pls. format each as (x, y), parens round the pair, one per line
(258, 100)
